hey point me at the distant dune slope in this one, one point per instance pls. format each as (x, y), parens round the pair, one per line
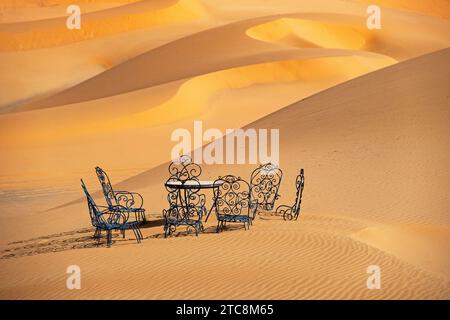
(53, 32)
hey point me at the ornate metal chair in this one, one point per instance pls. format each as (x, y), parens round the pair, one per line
(264, 184)
(123, 201)
(233, 202)
(102, 218)
(292, 212)
(186, 203)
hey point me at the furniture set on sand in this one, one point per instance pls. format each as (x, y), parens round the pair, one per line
(234, 200)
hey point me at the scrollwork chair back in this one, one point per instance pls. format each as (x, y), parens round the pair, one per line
(233, 202)
(97, 218)
(106, 187)
(264, 183)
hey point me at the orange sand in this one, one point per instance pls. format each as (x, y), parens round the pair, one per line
(364, 112)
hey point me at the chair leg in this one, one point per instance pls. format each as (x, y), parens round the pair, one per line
(140, 233)
(136, 234)
(98, 235)
(108, 238)
(218, 224)
(167, 230)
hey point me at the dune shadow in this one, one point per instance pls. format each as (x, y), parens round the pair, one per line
(83, 239)
(182, 231)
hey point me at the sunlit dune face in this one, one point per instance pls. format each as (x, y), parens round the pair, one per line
(49, 33)
(193, 97)
(309, 33)
(12, 11)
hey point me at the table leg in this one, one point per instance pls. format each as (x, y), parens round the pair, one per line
(212, 207)
(207, 216)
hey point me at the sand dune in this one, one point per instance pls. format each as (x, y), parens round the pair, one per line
(99, 52)
(53, 32)
(362, 206)
(315, 264)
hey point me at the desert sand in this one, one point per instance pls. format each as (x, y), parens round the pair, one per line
(364, 112)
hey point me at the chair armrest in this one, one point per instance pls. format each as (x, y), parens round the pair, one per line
(115, 217)
(283, 209)
(129, 200)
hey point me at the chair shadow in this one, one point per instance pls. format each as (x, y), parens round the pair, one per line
(184, 232)
(83, 239)
(70, 240)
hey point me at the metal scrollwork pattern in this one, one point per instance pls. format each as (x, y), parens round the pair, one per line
(265, 182)
(126, 201)
(292, 212)
(104, 219)
(106, 186)
(233, 202)
(184, 169)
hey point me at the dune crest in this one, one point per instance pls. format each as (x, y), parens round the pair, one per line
(49, 33)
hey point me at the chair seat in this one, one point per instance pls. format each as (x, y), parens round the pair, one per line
(111, 226)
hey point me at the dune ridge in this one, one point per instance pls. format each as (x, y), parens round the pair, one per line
(168, 64)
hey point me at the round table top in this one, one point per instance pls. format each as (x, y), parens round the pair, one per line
(193, 184)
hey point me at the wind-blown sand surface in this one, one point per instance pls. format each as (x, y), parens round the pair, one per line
(365, 113)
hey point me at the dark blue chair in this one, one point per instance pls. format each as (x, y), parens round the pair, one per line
(123, 201)
(233, 202)
(102, 218)
(264, 184)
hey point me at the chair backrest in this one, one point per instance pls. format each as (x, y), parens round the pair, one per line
(264, 184)
(106, 187)
(232, 196)
(186, 203)
(299, 184)
(94, 212)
